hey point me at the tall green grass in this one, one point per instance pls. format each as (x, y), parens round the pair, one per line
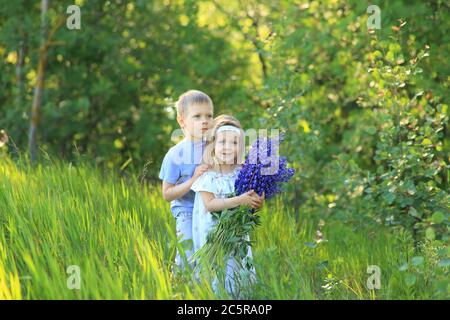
(122, 236)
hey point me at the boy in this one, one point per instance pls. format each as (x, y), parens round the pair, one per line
(181, 165)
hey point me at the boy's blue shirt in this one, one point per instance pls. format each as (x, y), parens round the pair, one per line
(178, 166)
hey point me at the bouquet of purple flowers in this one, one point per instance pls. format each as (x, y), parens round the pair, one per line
(264, 171)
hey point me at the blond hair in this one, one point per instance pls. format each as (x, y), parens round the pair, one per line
(190, 98)
(209, 156)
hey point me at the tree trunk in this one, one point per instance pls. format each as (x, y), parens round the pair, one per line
(38, 91)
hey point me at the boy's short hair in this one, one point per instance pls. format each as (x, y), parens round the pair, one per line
(189, 98)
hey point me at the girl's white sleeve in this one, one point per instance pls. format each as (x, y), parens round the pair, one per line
(204, 183)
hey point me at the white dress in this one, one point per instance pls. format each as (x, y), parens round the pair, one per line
(221, 185)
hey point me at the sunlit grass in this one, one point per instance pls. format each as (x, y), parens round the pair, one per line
(121, 235)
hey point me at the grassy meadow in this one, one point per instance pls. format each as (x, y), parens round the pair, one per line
(89, 109)
(121, 235)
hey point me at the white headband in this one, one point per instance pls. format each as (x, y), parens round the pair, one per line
(228, 128)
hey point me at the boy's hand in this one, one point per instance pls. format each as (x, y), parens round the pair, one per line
(201, 169)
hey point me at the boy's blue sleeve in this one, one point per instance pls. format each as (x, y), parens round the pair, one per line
(170, 172)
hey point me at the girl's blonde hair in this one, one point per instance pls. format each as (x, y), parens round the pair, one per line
(209, 156)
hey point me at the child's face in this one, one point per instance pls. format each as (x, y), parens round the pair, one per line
(197, 120)
(227, 146)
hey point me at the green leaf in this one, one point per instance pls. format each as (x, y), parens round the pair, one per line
(390, 56)
(418, 70)
(310, 244)
(389, 196)
(438, 217)
(413, 212)
(118, 144)
(371, 130)
(403, 267)
(444, 263)
(430, 234)
(417, 261)
(410, 188)
(410, 279)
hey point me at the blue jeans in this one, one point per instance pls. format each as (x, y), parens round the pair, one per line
(184, 234)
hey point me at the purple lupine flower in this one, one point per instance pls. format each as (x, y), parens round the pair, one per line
(264, 170)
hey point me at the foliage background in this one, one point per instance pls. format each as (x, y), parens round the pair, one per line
(365, 111)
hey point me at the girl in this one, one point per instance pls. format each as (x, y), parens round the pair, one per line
(224, 153)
